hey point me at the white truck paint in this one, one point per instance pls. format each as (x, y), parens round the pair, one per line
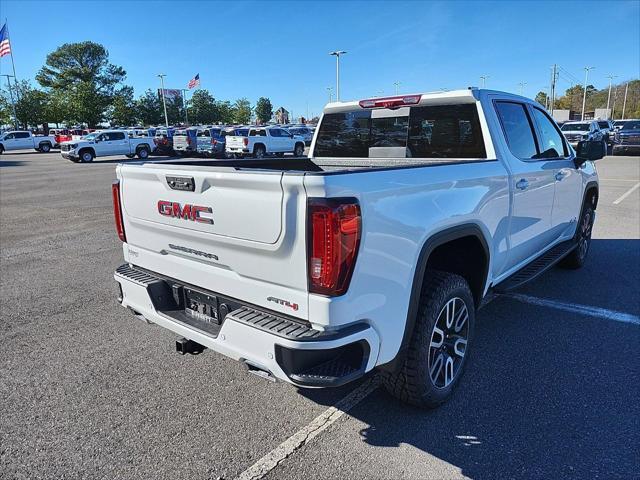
(399, 196)
(106, 143)
(265, 141)
(23, 139)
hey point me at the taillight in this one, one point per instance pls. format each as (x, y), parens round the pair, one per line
(390, 102)
(117, 209)
(214, 141)
(333, 232)
(245, 141)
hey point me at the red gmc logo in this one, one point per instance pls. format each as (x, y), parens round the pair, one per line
(186, 212)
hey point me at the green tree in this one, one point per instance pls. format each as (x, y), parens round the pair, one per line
(82, 70)
(6, 109)
(203, 108)
(57, 109)
(242, 111)
(30, 104)
(541, 98)
(225, 111)
(175, 110)
(149, 108)
(264, 110)
(123, 108)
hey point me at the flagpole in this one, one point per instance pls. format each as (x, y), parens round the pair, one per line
(13, 64)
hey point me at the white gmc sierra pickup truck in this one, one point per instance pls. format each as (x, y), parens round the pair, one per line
(19, 140)
(374, 252)
(105, 143)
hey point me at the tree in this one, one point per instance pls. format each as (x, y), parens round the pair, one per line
(542, 98)
(30, 104)
(82, 70)
(264, 110)
(242, 111)
(225, 111)
(6, 109)
(203, 108)
(57, 109)
(175, 110)
(123, 108)
(149, 108)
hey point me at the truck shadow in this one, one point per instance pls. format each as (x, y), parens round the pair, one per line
(547, 394)
(11, 163)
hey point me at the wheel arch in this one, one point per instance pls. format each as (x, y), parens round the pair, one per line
(440, 240)
(259, 144)
(83, 149)
(591, 194)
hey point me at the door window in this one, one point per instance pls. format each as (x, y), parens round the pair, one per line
(517, 129)
(551, 143)
(9, 136)
(22, 134)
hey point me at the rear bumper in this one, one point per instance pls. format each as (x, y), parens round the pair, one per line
(287, 348)
(625, 148)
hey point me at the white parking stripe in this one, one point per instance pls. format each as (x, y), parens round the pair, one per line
(576, 308)
(627, 193)
(308, 433)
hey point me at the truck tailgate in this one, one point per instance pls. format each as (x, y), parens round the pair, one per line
(235, 142)
(237, 233)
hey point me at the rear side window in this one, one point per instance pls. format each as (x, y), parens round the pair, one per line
(517, 129)
(258, 133)
(116, 136)
(275, 132)
(22, 135)
(437, 131)
(551, 143)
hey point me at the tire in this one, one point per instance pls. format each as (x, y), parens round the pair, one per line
(441, 337)
(578, 256)
(129, 156)
(143, 153)
(1, 149)
(259, 152)
(86, 156)
(298, 151)
(45, 147)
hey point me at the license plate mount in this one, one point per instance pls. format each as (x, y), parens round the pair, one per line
(201, 306)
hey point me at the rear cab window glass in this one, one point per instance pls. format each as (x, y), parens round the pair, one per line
(517, 129)
(429, 131)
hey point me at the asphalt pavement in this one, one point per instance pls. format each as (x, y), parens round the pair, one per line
(87, 391)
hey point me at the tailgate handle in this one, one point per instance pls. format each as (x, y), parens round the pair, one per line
(181, 183)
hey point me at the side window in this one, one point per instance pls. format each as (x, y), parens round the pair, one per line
(275, 132)
(551, 143)
(10, 136)
(117, 135)
(517, 129)
(22, 134)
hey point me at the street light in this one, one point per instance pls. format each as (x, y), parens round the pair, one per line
(484, 80)
(584, 94)
(337, 54)
(610, 77)
(330, 89)
(164, 103)
(397, 84)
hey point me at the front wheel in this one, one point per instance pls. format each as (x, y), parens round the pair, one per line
(578, 255)
(86, 156)
(439, 345)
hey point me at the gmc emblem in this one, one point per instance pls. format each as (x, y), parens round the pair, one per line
(186, 212)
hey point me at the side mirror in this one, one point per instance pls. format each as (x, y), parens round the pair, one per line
(590, 150)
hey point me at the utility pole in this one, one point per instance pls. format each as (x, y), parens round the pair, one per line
(615, 98)
(164, 103)
(554, 77)
(522, 85)
(329, 89)
(624, 103)
(584, 93)
(483, 78)
(337, 54)
(397, 85)
(610, 77)
(13, 103)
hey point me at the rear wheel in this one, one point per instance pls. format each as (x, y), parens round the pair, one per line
(439, 346)
(45, 147)
(259, 152)
(578, 256)
(143, 153)
(129, 155)
(1, 149)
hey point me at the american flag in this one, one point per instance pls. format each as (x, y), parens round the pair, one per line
(5, 46)
(194, 82)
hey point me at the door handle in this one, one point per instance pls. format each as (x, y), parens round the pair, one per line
(522, 184)
(559, 176)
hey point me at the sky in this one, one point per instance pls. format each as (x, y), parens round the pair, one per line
(280, 50)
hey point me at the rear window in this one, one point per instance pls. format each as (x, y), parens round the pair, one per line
(437, 131)
(180, 133)
(575, 127)
(203, 133)
(603, 124)
(631, 126)
(258, 133)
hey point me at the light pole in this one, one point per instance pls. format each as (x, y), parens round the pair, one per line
(397, 85)
(624, 103)
(522, 85)
(337, 54)
(584, 94)
(164, 103)
(610, 77)
(483, 78)
(184, 105)
(15, 115)
(329, 90)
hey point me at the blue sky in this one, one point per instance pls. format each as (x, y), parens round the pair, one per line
(280, 49)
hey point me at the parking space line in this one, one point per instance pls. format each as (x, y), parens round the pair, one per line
(627, 193)
(618, 180)
(576, 308)
(305, 435)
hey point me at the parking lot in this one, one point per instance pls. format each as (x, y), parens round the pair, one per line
(86, 390)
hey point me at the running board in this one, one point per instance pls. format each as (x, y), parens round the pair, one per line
(536, 268)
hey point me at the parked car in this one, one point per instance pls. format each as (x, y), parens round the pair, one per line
(576, 132)
(106, 143)
(374, 252)
(305, 133)
(265, 141)
(23, 139)
(606, 126)
(618, 124)
(163, 139)
(60, 135)
(627, 138)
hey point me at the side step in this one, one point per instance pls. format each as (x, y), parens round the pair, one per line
(536, 268)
